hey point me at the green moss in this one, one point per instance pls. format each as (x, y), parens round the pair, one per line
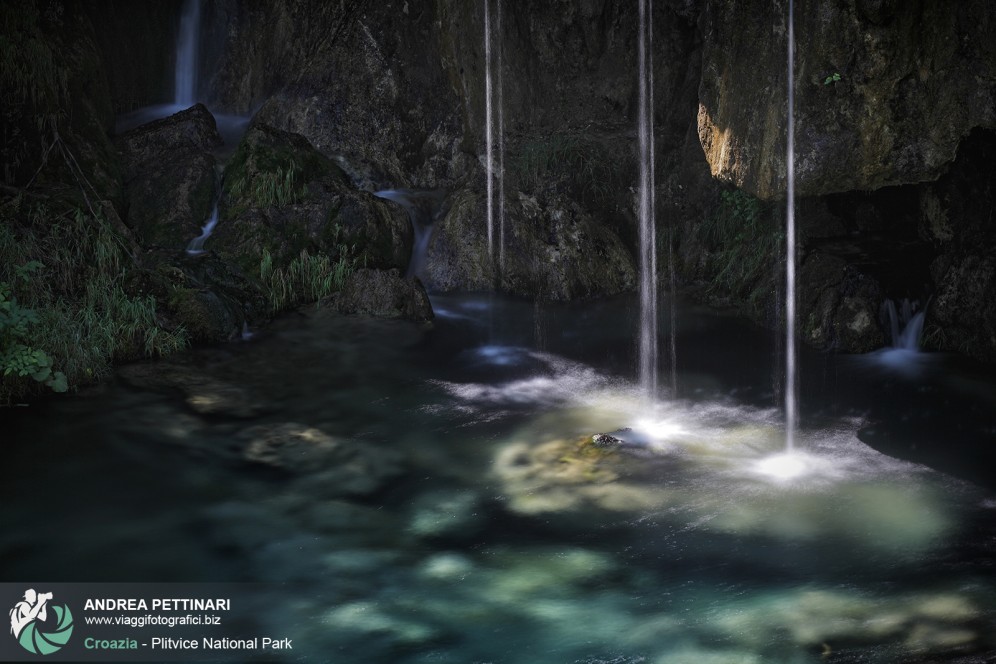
(271, 167)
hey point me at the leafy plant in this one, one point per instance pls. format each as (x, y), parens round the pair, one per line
(75, 309)
(18, 357)
(833, 78)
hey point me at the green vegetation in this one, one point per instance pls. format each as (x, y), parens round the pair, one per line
(833, 78)
(282, 186)
(65, 311)
(35, 86)
(307, 278)
(579, 159)
(18, 359)
(745, 241)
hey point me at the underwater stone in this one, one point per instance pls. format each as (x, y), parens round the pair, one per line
(450, 515)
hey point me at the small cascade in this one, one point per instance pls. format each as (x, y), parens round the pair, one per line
(196, 246)
(494, 133)
(423, 208)
(648, 346)
(791, 380)
(185, 86)
(905, 324)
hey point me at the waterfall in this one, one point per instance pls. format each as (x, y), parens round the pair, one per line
(494, 133)
(196, 245)
(648, 233)
(423, 209)
(791, 384)
(185, 86)
(905, 324)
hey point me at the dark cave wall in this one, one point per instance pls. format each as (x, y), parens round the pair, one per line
(394, 93)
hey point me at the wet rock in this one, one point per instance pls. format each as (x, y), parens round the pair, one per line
(554, 249)
(328, 466)
(391, 120)
(373, 620)
(963, 312)
(384, 294)
(169, 176)
(283, 196)
(203, 393)
(604, 440)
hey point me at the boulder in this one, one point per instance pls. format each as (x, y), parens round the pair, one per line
(282, 196)
(170, 177)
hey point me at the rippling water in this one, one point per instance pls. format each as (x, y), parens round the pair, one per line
(431, 494)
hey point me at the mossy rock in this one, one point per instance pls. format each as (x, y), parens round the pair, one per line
(283, 197)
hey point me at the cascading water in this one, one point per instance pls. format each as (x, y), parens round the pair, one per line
(648, 233)
(791, 385)
(423, 209)
(905, 324)
(185, 87)
(494, 138)
(196, 245)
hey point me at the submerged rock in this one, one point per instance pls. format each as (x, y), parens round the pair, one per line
(327, 466)
(203, 393)
(565, 476)
(449, 515)
(383, 293)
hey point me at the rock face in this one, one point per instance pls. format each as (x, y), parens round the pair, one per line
(383, 293)
(554, 249)
(170, 179)
(885, 91)
(957, 218)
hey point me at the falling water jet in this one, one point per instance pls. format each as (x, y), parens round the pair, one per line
(488, 127)
(791, 385)
(648, 240)
(501, 143)
(196, 246)
(494, 139)
(905, 324)
(185, 82)
(423, 209)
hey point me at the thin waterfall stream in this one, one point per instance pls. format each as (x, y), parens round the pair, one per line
(791, 385)
(494, 136)
(187, 52)
(648, 345)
